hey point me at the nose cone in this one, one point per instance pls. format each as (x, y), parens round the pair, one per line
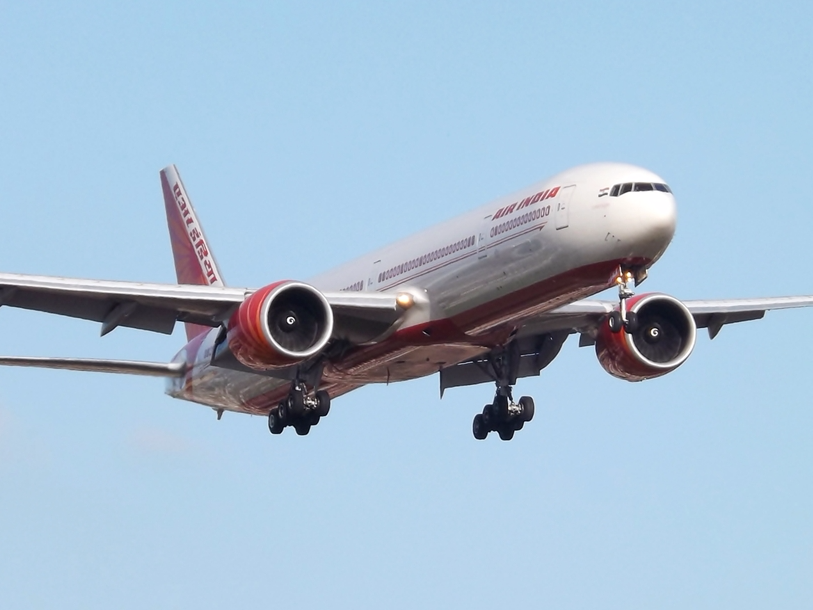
(644, 224)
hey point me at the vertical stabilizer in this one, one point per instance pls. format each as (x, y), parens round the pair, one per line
(194, 261)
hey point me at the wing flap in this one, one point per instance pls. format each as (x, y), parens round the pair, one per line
(361, 317)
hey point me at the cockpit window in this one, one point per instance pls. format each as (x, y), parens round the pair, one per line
(621, 189)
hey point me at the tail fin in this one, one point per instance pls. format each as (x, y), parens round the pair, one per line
(194, 261)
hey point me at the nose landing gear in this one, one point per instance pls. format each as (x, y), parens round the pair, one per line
(622, 319)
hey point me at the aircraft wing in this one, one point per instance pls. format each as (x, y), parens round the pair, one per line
(98, 365)
(540, 339)
(156, 307)
(709, 314)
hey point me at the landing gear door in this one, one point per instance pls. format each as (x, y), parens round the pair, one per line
(562, 206)
(482, 239)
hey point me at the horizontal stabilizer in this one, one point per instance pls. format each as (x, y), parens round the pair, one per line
(95, 365)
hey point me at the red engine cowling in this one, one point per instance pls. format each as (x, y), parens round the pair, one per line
(279, 325)
(664, 338)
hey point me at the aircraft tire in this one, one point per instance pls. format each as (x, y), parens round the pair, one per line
(283, 414)
(615, 322)
(632, 326)
(324, 403)
(488, 417)
(528, 408)
(296, 403)
(478, 427)
(302, 428)
(501, 408)
(275, 425)
(506, 432)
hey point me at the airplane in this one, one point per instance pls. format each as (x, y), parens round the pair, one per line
(487, 297)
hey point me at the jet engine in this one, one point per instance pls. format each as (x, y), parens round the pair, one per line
(279, 325)
(663, 334)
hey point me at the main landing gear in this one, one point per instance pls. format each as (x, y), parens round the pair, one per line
(300, 409)
(503, 416)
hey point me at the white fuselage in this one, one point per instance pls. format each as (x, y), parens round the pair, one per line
(475, 279)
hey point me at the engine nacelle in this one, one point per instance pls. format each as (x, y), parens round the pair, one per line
(663, 340)
(279, 325)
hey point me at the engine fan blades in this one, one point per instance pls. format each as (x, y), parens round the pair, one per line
(294, 330)
(658, 340)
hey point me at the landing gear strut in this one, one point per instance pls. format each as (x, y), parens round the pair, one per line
(503, 415)
(622, 319)
(300, 409)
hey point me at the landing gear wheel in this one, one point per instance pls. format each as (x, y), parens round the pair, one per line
(631, 327)
(501, 408)
(296, 403)
(488, 418)
(479, 428)
(506, 432)
(275, 425)
(302, 427)
(615, 322)
(323, 398)
(282, 412)
(527, 404)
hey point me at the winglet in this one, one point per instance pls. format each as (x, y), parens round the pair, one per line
(194, 261)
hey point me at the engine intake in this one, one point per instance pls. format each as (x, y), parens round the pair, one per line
(280, 324)
(664, 338)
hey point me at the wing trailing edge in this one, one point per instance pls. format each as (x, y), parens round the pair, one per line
(96, 365)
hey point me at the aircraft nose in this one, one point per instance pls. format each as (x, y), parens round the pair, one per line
(660, 215)
(648, 222)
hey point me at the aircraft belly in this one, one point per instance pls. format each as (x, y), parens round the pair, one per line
(226, 389)
(401, 364)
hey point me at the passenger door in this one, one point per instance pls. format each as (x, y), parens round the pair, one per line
(562, 206)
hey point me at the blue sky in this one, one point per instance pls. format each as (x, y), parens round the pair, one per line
(308, 133)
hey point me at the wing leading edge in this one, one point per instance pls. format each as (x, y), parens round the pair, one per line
(157, 307)
(154, 307)
(96, 365)
(709, 314)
